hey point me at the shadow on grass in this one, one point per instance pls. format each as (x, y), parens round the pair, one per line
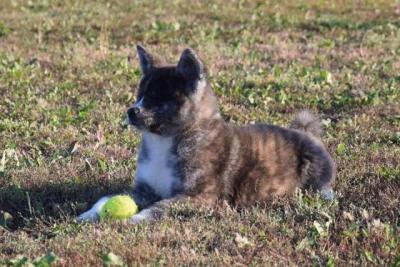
(52, 202)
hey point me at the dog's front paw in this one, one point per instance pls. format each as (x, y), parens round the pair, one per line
(88, 216)
(143, 216)
(92, 215)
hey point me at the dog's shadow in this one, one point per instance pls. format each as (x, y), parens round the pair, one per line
(52, 201)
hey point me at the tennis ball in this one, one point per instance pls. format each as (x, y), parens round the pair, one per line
(118, 207)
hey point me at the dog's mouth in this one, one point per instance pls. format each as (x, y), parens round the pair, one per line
(145, 124)
(136, 122)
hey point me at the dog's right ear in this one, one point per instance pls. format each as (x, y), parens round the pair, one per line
(146, 60)
(191, 67)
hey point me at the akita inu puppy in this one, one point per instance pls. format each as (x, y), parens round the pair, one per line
(189, 152)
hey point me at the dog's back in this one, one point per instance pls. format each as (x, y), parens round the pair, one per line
(249, 164)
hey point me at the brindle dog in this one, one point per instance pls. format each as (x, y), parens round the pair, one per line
(189, 151)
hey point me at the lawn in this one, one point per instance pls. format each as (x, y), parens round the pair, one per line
(69, 71)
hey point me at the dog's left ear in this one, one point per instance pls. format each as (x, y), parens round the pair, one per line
(146, 60)
(191, 67)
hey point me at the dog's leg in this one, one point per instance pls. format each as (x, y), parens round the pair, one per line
(327, 193)
(160, 209)
(92, 215)
(143, 195)
(156, 211)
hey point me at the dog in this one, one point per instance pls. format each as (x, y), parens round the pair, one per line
(188, 152)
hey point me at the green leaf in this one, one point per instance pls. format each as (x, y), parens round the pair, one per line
(396, 262)
(277, 71)
(3, 162)
(330, 262)
(18, 262)
(46, 260)
(85, 110)
(102, 165)
(5, 218)
(304, 243)
(318, 228)
(43, 261)
(4, 30)
(369, 256)
(111, 259)
(326, 76)
(341, 149)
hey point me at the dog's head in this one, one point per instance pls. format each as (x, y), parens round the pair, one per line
(170, 97)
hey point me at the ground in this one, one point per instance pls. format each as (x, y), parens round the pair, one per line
(68, 72)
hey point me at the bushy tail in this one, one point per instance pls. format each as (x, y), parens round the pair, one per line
(307, 122)
(318, 168)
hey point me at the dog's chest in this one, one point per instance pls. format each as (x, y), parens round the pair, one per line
(156, 165)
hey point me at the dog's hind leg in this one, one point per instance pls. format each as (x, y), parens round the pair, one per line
(319, 171)
(327, 193)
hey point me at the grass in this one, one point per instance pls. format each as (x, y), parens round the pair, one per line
(68, 72)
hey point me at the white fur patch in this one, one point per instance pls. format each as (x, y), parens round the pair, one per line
(328, 194)
(143, 215)
(200, 88)
(92, 215)
(157, 170)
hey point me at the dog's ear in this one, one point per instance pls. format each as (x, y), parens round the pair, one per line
(191, 67)
(146, 60)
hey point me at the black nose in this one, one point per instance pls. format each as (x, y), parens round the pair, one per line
(132, 112)
(136, 110)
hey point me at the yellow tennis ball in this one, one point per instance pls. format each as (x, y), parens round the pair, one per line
(119, 207)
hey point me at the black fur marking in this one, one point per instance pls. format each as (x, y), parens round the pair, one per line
(145, 59)
(163, 93)
(191, 68)
(144, 195)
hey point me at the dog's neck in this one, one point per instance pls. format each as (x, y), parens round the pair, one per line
(205, 102)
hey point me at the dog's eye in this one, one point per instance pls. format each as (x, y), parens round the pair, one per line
(153, 94)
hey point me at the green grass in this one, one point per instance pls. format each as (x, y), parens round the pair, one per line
(66, 81)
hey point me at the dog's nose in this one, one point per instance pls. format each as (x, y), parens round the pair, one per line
(136, 110)
(133, 112)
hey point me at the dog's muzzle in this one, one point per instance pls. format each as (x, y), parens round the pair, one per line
(135, 111)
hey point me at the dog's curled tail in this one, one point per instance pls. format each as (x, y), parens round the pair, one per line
(307, 122)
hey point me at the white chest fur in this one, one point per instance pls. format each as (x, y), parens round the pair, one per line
(156, 168)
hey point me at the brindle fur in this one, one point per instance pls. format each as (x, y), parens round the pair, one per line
(215, 160)
(246, 165)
